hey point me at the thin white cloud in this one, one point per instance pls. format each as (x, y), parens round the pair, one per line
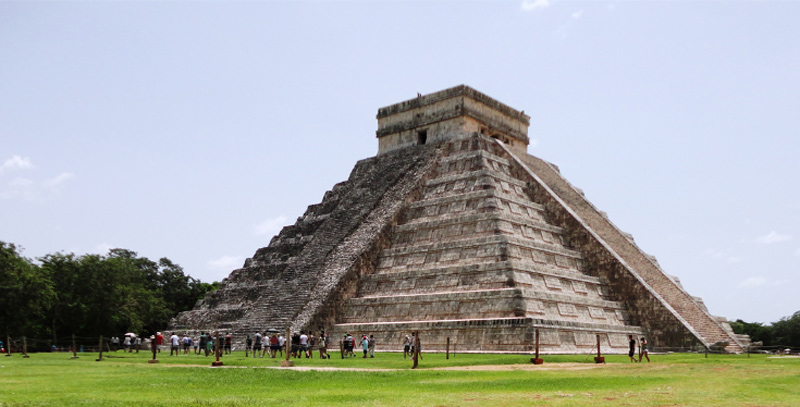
(225, 263)
(19, 188)
(726, 255)
(797, 252)
(752, 282)
(530, 5)
(773, 237)
(576, 15)
(33, 189)
(16, 163)
(58, 180)
(270, 227)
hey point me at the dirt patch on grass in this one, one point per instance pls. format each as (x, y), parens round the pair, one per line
(477, 368)
(546, 366)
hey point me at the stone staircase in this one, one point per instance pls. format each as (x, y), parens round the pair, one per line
(476, 260)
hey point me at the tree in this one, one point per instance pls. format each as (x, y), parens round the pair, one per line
(756, 330)
(787, 331)
(92, 294)
(26, 294)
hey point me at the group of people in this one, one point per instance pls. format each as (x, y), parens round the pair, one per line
(302, 344)
(643, 351)
(367, 345)
(204, 344)
(130, 343)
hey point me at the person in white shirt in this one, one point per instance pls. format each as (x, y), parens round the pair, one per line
(304, 344)
(175, 344)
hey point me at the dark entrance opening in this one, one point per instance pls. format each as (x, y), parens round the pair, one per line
(422, 137)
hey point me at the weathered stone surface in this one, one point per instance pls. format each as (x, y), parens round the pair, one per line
(455, 231)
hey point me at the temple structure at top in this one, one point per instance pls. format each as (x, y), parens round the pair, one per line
(454, 231)
(449, 114)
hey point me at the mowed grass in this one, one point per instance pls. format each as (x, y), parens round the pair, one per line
(52, 379)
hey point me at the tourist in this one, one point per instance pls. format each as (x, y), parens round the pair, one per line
(114, 343)
(257, 345)
(138, 343)
(323, 346)
(371, 342)
(631, 348)
(407, 347)
(365, 345)
(210, 344)
(187, 343)
(281, 343)
(643, 347)
(349, 343)
(248, 343)
(126, 344)
(303, 344)
(295, 344)
(228, 343)
(274, 346)
(202, 342)
(175, 343)
(159, 340)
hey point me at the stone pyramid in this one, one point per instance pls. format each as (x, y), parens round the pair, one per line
(454, 231)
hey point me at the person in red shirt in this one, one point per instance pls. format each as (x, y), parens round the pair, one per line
(159, 340)
(228, 343)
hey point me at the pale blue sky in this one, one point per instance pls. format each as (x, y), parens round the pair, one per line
(194, 130)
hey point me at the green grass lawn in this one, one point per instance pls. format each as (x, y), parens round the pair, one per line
(52, 379)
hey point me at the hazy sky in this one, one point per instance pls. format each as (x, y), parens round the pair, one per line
(195, 130)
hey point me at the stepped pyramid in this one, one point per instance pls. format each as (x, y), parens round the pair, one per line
(453, 230)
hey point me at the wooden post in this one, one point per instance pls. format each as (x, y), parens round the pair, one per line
(448, 348)
(246, 348)
(216, 352)
(100, 347)
(706, 352)
(74, 348)
(640, 348)
(341, 348)
(536, 359)
(8, 345)
(288, 342)
(25, 347)
(416, 350)
(598, 358)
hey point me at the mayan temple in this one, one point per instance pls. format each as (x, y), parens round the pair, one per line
(455, 231)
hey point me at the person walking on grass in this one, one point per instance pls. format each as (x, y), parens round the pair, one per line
(174, 344)
(257, 345)
(644, 351)
(303, 339)
(631, 348)
(371, 346)
(228, 343)
(406, 347)
(365, 345)
(323, 346)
